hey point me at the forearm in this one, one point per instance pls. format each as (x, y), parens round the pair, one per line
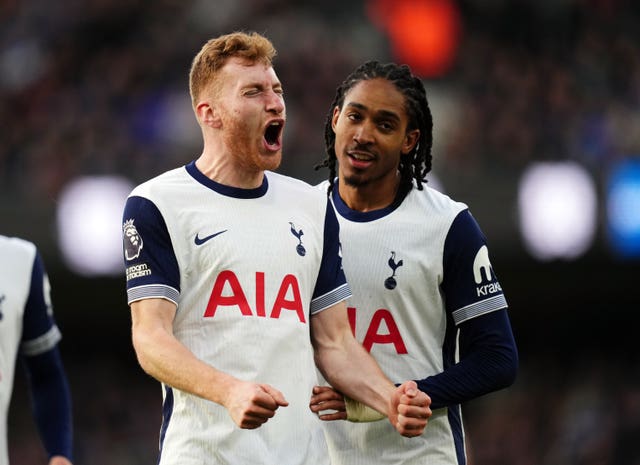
(51, 402)
(164, 357)
(471, 378)
(488, 362)
(167, 360)
(350, 369)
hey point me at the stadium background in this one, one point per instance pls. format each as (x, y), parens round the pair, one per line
(99, 88)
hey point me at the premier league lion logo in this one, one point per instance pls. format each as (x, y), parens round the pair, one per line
(132, 240)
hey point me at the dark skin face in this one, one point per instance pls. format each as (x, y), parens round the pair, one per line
(371, 136)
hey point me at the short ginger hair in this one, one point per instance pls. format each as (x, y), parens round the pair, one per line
(252, 47)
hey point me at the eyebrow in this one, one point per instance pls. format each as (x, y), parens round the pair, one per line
(262, 85)
(383, 113)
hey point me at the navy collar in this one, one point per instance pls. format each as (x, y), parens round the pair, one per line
(358, 216)
(229, 191)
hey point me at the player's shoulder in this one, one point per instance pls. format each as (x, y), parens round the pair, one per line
(16, 250)
(437, 201)
(293, 184)
(160, 182)
(323, 186)
(279, 178)
(16, 245)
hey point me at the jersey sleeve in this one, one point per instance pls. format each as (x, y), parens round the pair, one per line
(151, 265)
(488, 362)
(51, 401)
(39, 331)
(488, 358)
(45, 374)
(331, 285)
(470, 285)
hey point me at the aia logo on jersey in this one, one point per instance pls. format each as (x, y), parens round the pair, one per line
(390, 283)
(298, 234)
(228, 294)
(132, 240)
(381, 329)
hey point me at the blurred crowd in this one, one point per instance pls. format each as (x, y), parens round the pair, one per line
(570, 412)
(548, 81)
(100, 86)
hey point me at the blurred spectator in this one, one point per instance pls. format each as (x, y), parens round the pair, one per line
(89, 87)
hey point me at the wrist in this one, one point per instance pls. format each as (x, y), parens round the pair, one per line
(357, 412)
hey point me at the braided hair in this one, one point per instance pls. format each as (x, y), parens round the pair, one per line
(414, 165)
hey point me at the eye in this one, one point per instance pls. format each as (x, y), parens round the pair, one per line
(387, 125)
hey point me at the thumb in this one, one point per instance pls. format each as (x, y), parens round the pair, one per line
(277, 395)
(410, 388)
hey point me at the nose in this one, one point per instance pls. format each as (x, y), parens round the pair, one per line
(275, 103)
(363, 134)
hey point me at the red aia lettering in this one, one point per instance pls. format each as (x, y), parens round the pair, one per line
(289, 283)
(237, 297)
(373, 336)
(260, 310)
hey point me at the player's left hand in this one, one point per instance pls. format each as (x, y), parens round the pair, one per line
(326, 398)
(409, 409)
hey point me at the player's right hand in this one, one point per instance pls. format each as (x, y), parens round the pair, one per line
(328, 403)
(252, 404)
(410, 409)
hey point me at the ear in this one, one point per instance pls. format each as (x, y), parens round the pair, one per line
(334, 118)
(410, 140)
(207, 115)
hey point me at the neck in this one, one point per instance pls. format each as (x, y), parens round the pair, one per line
(225, 170)
(369, 197)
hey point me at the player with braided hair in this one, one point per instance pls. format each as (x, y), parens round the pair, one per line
(426, 302)
(417, 164)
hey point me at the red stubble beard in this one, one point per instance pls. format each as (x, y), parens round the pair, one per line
(250, 154)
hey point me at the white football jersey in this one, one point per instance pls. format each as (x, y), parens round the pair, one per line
(246, 268)
(406, 316)
(17, 259)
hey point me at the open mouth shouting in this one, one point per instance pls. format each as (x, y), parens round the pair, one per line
(273, 135)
